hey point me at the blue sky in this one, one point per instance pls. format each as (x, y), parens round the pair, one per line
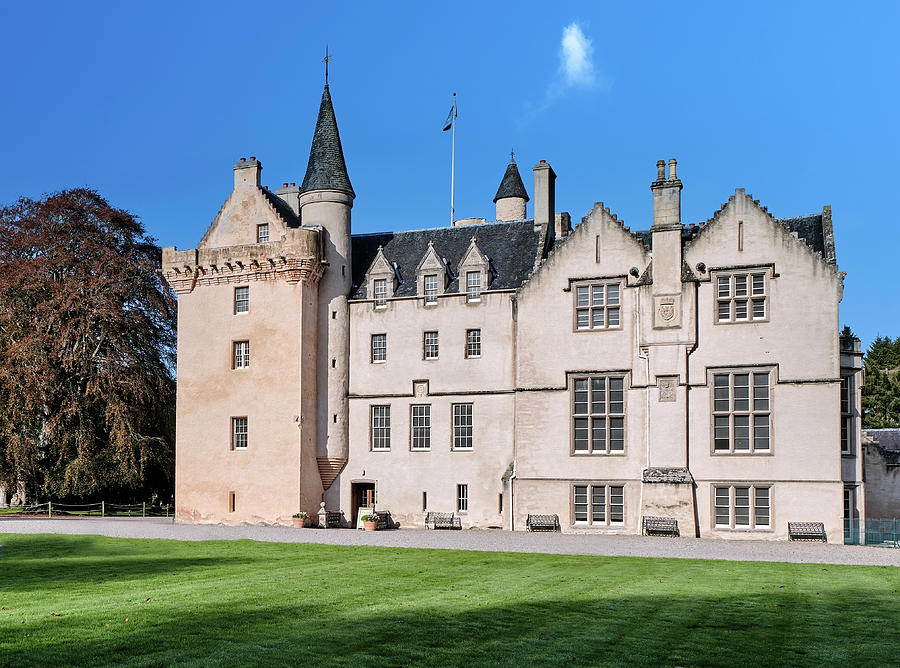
(152, 103)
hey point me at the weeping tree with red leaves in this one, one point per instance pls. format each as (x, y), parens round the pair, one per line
(87, 351)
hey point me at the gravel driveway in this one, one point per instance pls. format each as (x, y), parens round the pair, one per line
(473, 539)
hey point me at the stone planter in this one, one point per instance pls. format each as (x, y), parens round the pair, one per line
(370, 526)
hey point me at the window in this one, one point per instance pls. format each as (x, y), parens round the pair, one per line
(242, 299)
(380, 292)
(847, 415)
(431, 285)
(381, 427)
(473, 286)
(379, 347)
(462, 498)
(741, 297)
(597, 306)
(421, 427)
(239, 433)
(462, 426)
(262, 233)
(431, 345)
(599, 505)
(598, 408)
(231, 502)
(741, 421)
(742, 507)
(473, 343)
(241, 354)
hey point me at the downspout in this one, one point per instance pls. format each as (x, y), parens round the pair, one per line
(512, 497)
(646, 358)
(514, 306)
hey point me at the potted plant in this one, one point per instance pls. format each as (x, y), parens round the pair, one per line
(370, 522)
(300, 519)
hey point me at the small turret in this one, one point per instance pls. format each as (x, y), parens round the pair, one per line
(511, 196)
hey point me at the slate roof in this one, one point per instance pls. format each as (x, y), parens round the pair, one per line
(809, 228)
(284, 210)
(511, 185)
(326, 169)
(512, 248)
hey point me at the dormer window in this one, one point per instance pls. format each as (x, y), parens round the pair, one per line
(473, 286)
(431, 288)
(262, 233)
(380, 292)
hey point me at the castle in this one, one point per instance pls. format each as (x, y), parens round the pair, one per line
(499, 369)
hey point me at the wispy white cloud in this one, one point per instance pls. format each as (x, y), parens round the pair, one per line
(576, 71)
(576, 58)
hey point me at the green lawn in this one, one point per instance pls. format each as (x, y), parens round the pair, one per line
(92, 600)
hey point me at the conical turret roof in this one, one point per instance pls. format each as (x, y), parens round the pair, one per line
(326, 169)
(511, 185)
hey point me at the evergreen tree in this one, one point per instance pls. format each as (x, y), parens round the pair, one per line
(881, 392)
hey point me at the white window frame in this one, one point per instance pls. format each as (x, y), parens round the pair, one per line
(463, 421)
(473, 286)
(462, 497)
(598, 504)
(242, 299)
(750, 415)
(240, 433)
(430, 288)
(378, 349)
(420, 427)
(379, 290)
(473, 343)
(744, 505)
(848, 405)
(430, 345)
(241, 354)
(598, 305)
(380, 427)
(262, 233)
(597, 414)
(741, 296)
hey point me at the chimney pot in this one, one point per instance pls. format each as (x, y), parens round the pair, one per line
(660, 170)
(243, 159)
(672, 163)
(285, 184)
(253, 157)
(293, 184)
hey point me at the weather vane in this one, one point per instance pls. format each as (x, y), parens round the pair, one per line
(327, 59)
(512, 156)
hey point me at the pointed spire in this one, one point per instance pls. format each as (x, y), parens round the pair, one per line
(511, 185)
(326, 169)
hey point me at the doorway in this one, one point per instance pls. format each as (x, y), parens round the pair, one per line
(362, 495)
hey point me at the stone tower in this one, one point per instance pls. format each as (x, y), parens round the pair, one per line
(511, 196)
(326, 198)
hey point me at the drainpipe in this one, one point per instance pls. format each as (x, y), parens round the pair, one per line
(512, 498)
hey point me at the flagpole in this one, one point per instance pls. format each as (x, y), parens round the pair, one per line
(452, 159)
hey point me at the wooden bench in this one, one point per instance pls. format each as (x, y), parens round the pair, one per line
(442, 521)
(659, 526)
(542, 523)
(807, 531)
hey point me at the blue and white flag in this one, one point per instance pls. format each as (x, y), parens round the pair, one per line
(450, 118)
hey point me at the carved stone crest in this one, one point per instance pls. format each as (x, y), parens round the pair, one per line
(667, 388)
(420, 388)
(667, 311)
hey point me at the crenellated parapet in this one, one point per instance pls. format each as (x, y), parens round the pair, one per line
(296, 258)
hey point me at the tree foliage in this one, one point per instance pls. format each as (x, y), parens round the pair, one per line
(87, 350)
(881, 393)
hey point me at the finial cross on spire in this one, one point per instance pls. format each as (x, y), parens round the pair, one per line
(512, 155)
(327, 59)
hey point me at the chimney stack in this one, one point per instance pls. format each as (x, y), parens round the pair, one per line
(544, 194)
(666, 195)
(247, 173)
